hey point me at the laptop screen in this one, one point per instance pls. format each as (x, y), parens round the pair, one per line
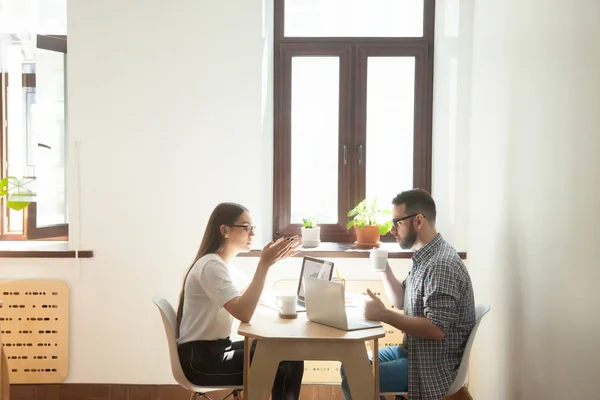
(314, 268)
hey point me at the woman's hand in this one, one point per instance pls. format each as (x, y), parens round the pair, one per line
(279, 250)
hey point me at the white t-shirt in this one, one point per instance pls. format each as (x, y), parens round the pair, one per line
(208, 287)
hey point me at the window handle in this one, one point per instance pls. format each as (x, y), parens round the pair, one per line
(345, 154)
(360, 153)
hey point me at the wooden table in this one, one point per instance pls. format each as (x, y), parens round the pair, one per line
(299, 339)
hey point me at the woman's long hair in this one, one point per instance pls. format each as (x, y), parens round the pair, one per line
(212, 242)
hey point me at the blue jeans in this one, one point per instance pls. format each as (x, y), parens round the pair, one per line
(393, 371)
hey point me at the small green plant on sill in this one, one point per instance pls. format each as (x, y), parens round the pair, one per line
(366, 213)
(17, 195)
(310, 222)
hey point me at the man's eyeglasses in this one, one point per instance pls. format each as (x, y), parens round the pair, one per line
(396, 221)
(247, 228)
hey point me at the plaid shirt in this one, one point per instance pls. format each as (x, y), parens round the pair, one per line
(439, 289)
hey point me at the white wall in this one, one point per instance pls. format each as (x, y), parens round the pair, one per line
(165, 107)
(451, 116)
(165, 100)
(534, 146)
(170, 113)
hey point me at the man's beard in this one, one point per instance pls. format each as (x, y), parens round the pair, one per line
(409, 241)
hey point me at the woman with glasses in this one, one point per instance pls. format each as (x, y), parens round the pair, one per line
(210, 300)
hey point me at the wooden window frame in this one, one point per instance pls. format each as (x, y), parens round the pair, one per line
(353, 53)
(56, 43)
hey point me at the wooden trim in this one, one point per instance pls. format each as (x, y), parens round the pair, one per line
(3, 147)
(424, 147)
(32, 231)
(279, 21)
(57, 43)
(422, 128)
(428, 28)
(406, 41)
(282, 139)
(352, 177)
(52, 43)
(429, 20)
(41, 249)
(110, 391)
(348, 250)
(46, 254)
(28, 80)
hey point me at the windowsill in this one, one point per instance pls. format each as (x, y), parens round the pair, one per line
(40, 249)
(347, 250)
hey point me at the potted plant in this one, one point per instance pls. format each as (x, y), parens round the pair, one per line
(311, 232)
(369, 222)
(17, 195)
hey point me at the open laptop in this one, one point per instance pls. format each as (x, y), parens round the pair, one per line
(325, 305)
(311, 267)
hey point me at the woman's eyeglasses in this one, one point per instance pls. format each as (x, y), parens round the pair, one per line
(247, 228)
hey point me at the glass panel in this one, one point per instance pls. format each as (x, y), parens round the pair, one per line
(354, 18)
(315, 131)
(40, 16)
(46, 138)
(390, 127)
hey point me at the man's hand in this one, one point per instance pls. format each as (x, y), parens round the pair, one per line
(374, 309)
(414, 326)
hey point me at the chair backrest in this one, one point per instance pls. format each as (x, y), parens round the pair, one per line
(169, 319)
(480, 311)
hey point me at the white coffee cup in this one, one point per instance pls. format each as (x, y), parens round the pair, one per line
(378, 259)
(287, 304)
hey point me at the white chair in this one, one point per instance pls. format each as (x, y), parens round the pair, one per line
(169, 319)
(480, 311)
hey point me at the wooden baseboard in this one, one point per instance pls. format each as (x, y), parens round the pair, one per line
(91, 391)
(79, 391)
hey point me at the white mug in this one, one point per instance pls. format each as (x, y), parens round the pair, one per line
(378, 259)
(287, 304)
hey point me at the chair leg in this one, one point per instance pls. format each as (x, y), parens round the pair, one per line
(198, 396)
(235, 394)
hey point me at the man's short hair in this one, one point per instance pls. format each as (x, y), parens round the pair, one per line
(417, 201)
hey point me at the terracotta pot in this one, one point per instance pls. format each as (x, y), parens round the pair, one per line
(367, 236)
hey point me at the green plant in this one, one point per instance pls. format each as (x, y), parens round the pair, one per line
(17, 195)
(366, 213)
(310, 222)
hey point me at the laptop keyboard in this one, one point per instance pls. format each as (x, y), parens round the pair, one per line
(357, 323)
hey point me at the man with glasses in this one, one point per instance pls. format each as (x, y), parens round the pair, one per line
(438, 302)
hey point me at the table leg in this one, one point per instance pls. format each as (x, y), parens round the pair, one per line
(359, 371)
(269, 353)
(262, 372)
(376, 366)
(247, 348)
